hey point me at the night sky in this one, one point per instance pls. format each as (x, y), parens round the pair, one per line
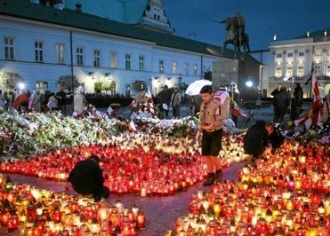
(263, 18)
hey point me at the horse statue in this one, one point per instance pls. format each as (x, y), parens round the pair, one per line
(232, 36)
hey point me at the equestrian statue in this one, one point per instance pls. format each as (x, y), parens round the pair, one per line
(236, 35)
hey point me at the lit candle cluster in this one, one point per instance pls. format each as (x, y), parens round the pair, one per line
(161, 166)
(36, 212)
(284, 194)
(294, 167)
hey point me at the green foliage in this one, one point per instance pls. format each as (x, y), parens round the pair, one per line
(109, 85)
(105, 86)
(98, 87)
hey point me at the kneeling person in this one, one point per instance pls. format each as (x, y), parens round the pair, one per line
(87, 178)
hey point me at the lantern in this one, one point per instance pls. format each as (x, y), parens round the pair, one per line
(141, 220)
(12, 221)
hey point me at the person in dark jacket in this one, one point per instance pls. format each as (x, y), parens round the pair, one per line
(87, 178)
(297, 101)
(281, 104)
(261, 136)
(273, 93)
(256, 139)
(61, 103)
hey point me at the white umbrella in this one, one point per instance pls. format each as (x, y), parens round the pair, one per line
(195, 87)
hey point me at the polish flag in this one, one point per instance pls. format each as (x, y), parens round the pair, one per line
(149, 95)
(221, 96)
(237, 111)
(132, 126)
(313, 116)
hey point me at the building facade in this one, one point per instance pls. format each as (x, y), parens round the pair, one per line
(293, 60)
(48, 46)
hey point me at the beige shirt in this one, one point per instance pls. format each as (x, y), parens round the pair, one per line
(210, 113)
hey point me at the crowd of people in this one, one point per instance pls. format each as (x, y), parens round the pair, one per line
(25, 100)
(64, 100)
(287, 102)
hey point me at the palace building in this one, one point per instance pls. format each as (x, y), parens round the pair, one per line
(49, 44)
(293, 59)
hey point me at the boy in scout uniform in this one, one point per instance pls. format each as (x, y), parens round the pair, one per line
(210, 130)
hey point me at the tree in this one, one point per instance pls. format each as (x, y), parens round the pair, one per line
(109, 86)
(98, 87)
(11, 79)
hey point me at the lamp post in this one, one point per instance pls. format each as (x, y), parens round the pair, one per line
(249, 84)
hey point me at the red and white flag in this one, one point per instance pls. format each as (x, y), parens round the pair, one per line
(237, 111)
(148, 95)
(132, 127)
(221, 96)
(313, 116)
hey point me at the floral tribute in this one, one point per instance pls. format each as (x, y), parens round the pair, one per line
(23, 135)
(282, 194)
(143, 106)
(32, 211)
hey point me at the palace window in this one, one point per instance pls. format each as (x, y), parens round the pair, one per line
(279, 55)
(278, 72)
(195, 70)
(9, 48)
(38, 51)
(174, 67)
(317, 69)
(300, 72)
(60, 53)
(96, 58)
(113, 59)
(80, 56)
(161, 66)
(128, 61)
(141, 62)
(42, 86)
(289, 71)
(186, 68)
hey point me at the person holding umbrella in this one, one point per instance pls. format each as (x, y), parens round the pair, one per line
(210, 132)
(193, 91)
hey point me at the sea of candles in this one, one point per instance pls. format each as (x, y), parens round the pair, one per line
(162, 166)
(282, 194)
(35, 212)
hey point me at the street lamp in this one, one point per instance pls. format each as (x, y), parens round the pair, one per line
(249, 84)
(21, 86)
